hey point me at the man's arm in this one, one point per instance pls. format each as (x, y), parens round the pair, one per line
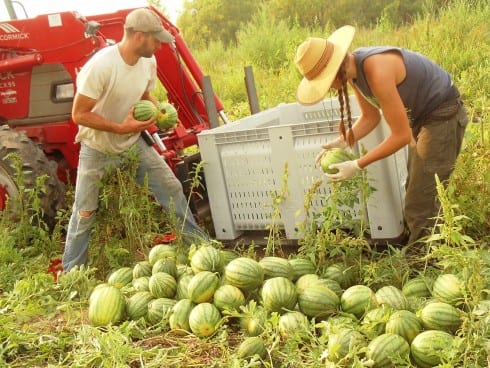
(82, 114)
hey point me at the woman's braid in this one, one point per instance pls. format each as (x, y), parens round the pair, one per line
(341, 106)
(344, 101)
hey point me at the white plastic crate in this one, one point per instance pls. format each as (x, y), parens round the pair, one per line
(245, 163)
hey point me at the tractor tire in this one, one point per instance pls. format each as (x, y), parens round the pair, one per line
(34, 164)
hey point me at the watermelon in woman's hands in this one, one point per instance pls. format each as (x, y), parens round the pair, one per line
(334, 156)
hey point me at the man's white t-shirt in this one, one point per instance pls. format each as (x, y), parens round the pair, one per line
(116, 86)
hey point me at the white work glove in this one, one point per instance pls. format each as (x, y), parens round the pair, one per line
(347, 170)
(338, 142)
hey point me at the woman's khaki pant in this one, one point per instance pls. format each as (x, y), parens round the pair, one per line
(434, 151)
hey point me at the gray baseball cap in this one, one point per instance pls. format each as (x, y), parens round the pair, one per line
(145, 20)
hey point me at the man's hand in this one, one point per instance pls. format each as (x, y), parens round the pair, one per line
(336, 143)
(131, 125)
(347, 170)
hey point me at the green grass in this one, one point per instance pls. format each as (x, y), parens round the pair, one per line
(45, 324)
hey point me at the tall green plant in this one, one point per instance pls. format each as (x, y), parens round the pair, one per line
(458, 253)
(343, 216)
(128, 218)
(278, 197)
(29, 230)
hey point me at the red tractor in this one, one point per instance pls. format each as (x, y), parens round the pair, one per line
(39, 60)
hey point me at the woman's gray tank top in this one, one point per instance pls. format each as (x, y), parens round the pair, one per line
(425, 87)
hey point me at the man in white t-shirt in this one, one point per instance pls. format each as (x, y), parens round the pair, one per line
(107, 87)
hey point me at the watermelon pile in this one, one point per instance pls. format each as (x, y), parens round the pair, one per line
(388, 327)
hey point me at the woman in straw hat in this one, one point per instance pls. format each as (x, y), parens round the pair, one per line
(417, 98)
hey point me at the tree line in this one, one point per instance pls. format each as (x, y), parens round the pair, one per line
(206, 21)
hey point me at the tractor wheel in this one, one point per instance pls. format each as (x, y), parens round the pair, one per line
(34, 164)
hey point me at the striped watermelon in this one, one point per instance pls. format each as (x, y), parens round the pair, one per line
(137, 304)
(388, 350)
(276, 267)
(417, 287)
(429, 348)
(293, 323)
(357, 300)
(160, 251)
(304, 281)
(345, 342)
(391, 296)
(166, 265)
(301, 266)
(121, 277)
(404, 323)
(374, 321)
(251, 347)
(183, 287)
(141, 283)
(179, 319)
(162, 285)
(95, 290)
(142, 268)
(254, 324)
(144, 110)
(167, 116)
(343, 274)
(332, 285)
(334, 156)
(318, 301)
(202, 286)
(107, 306)
(448, 288)
(440, 316)
(244, 273)
(184, 270)
(278, 294)
(159, 309)
(204, 319)
(207, 258)
(228, 297)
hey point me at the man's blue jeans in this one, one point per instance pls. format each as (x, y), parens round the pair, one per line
(91, 168)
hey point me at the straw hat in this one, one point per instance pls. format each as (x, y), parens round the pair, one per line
(319, 60)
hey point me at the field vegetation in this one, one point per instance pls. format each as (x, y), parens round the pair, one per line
(44, 315)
